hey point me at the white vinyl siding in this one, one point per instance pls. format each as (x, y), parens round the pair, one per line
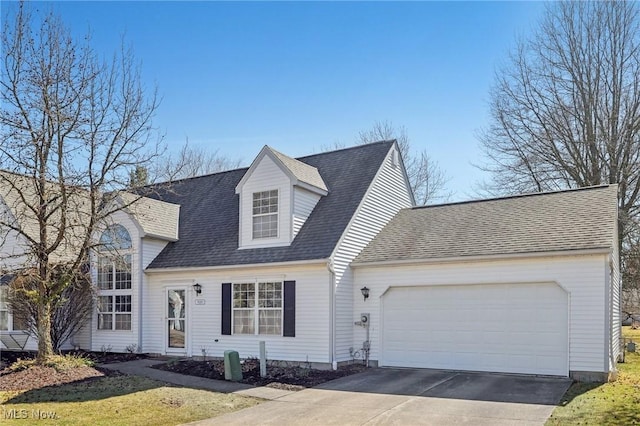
(267, 176)
(12, 249)
(387, 194)
(151, 248)
(304, 202)
(582, 277)
(616, 304)
(12, 245)
(311, 342)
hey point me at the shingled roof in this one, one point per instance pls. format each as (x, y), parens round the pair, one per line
(536, 223)
(209, 215)
(157, 219)
(301, 171)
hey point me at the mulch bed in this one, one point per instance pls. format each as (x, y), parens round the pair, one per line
(9, 357)
(278, 376)
(39, 377)
(281, 376)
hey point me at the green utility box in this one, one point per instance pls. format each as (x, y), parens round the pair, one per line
(232, 368)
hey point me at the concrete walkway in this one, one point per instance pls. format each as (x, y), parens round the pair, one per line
(142, 367)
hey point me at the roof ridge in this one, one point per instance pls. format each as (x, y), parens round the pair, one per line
(195, 177)
(273, 149)
(346, 148)
(282, 153)
(508, 197)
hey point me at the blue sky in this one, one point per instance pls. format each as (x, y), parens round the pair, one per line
(235, 76)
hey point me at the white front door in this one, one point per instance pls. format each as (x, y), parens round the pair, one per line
(176, 323)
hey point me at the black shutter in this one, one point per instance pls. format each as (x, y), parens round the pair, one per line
(226, 308)
(289, 327)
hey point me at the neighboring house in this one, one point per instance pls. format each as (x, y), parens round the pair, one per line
(281, 252)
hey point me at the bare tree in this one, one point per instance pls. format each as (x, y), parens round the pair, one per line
(631, 272)
(427, 180)
(190, 161)
(566, 107)
(72, 126)
(71, 308)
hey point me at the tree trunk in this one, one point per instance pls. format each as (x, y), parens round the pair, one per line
(45, 346)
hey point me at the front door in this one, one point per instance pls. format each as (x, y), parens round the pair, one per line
(176, 319)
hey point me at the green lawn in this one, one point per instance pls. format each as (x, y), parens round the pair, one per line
(616, 403)
(118, 400)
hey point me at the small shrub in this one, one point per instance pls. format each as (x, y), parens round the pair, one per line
(57, 362)
(105, 349)
(133, 348)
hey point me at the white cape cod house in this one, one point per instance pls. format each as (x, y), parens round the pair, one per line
(281, 252)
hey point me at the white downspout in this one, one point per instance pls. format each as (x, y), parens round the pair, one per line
(140, 292)
(332, 314)
(613, 370)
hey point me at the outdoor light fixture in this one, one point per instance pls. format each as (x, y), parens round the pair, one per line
(365, 292)
(197, 288)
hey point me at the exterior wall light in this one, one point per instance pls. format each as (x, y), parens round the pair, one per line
(365, 292)
(197, 288)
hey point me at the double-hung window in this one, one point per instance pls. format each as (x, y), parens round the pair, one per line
(114, 312)
(9, 322)
(4, 309)
(265, 214)
(114, 279)
(257, 308)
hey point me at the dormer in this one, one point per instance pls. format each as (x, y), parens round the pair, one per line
(277, 195)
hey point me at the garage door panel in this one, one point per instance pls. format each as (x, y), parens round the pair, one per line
(518, 328)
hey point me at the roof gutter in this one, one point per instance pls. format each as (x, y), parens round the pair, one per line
(159, 237)
(237, 266)
(493, 257)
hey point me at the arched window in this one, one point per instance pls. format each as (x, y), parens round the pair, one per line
(115, 237)
(114, 279)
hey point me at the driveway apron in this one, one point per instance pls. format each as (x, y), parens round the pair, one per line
(385, 396)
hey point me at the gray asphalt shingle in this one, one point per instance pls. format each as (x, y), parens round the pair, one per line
(208, 228)
(557, 221)
(302, 171)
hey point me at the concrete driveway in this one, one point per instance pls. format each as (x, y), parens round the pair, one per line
(411, 396)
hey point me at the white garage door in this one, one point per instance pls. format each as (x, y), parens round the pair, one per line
(515, 328)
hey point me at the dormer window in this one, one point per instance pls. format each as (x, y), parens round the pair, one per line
(277, 195)
(265, 214)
